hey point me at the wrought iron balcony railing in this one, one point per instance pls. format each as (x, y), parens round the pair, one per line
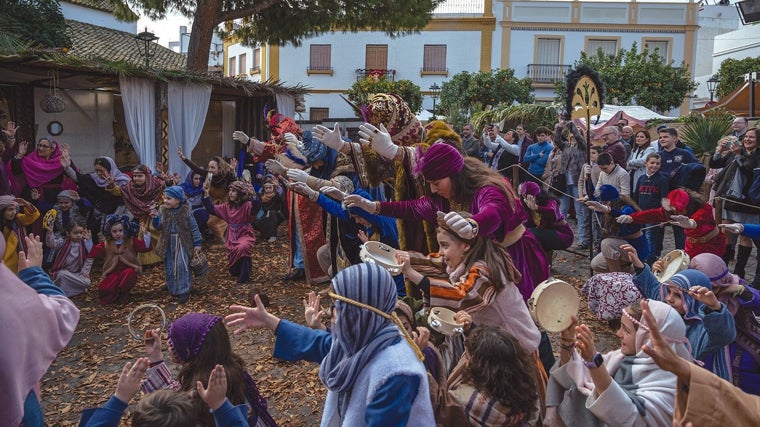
(547, 73)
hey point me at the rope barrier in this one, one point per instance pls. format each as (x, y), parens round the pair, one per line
(756, 207)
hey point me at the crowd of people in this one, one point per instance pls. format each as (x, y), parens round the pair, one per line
(474, 224)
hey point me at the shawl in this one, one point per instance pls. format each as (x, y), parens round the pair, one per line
(25, 356)
(119, 177)
(358, 334)
(39, 170)
(717, 271)
(60, 256)
(139, 198)
(188, 188)
(180, 217)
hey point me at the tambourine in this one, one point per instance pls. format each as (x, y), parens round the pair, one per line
(382, 255)
(246, 175)
(442, 321)
(674, 261)
(142, 336)
(49, 219)
(553, 304)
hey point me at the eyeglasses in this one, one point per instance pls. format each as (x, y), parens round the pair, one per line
(43, 146)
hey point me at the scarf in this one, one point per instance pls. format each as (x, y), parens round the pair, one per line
(139, 198)
(119, 177)
(39, 170)
(60, 256)
(187, 186)
(358, 334)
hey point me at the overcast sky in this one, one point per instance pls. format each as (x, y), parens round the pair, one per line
(167, 30)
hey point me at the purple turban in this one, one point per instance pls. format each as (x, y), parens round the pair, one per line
(529, 188)
(439, 161)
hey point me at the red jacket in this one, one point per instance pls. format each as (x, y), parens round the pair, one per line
(705, 225)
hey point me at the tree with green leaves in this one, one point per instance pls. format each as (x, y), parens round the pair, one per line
(731, 73)
(33, 23)
(360, 91)
(281, 21)
(641, 78)
(467, 93)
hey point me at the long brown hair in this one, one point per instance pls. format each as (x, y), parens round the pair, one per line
(485, 250)
(473, 176)
(501, 369)
(216, 349)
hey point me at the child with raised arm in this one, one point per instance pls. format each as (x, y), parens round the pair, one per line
(71, 265)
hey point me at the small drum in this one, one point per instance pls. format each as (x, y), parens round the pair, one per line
(553, 304)
(674, 261)
(442, 321)
(49, 219)
(382, 255)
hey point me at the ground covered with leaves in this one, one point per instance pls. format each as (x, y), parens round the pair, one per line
(85, 373)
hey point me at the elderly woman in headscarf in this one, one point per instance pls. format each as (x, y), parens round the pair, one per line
(37, 322)
(624, 387)
(742, 300)
(40, 170)
(222, 176)
(710, 326)
(239, 212)
(142, 195)
(369, 364)
(102, 187)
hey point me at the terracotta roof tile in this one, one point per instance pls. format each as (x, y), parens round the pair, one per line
(93, 4)
(93, 42)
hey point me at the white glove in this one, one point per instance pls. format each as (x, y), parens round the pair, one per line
(297, 175)
(303, 189)
(292, 141)
(587, 169)
(736, 228)
(330, 138)
(682, 221)
(354, 200)
(378, 139)
(596, 206)
(240, 137)
(462, 226)
(624, 219)
(275, 167)
(333, 192)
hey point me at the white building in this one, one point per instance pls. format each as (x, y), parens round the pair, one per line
(537, 38)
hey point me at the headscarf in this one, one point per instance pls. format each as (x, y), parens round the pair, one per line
(439, 131)
(312, 150)
(187, 186)
(608, 193)
(119, 177)
(7, 201)
(175, 192)
(69, 194)
(358, 333)
(684, 280)
(39, 170)
(440, 161)
(130, 228)
(243, 187)
(139, 199)
(26, 354)
(716, 270)
(187, 333)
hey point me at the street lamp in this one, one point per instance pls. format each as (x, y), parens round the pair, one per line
(712, 84)
(434, 91)
(146, 46)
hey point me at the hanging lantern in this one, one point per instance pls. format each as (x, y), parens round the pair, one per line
(52, 103)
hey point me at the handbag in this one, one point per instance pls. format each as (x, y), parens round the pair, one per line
(199, 265)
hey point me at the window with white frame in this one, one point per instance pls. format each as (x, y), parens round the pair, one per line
(608, 46)
(662, 47)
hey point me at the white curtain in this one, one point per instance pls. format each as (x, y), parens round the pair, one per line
(188, 105)
(286, 105)
(138, 97)
(228, 126)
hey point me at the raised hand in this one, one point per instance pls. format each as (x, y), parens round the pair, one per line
(32, 257)
(633, 255)
(240, 137)
(421, 336)
(275, 167)
(584, 342)
(736, 228)
(354, 200)
(10, 130)
(257, 317)
(313, 311)
(463, 318)
(180, 153)
(303, 189)
(333, 192)
(330, 138)
(233, 164)
(297, 175)
(153, 345)
(706, 297)
(130, 379)
(379, 139)
(682, 221)
(362, 236)
(22, 147)
(530, 202)
(597, 206)
(624, 219)
(216, 393)
(464, 227)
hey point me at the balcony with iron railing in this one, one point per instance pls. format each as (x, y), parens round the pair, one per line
(460, 7)
(547, 73)
(319, 69)
(361, 73)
